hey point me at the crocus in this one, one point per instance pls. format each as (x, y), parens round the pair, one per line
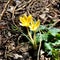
(25, 20)
(34, 25)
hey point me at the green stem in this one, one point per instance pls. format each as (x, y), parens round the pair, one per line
(35, 44)
(34, 35)
(31, 39)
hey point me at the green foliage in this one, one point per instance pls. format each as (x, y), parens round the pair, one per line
(56, 54)
(45, 36)
(38, 37)
(54, 31)
(51, 39)
(58, 36)
(42, 27)
(47, 46)
(56, 43)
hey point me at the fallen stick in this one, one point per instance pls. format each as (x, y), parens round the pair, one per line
(4, 9)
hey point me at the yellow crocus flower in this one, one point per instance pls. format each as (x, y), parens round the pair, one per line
(34, 25)
(25, 20)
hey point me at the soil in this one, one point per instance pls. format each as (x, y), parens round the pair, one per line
(13, 46)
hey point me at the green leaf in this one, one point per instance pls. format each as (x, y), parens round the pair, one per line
(56, 43)
(50, 53)
(47, 46)
(41, 37)
(42, 27)
(58, 36)
(45, 36)
(56, 54)
(54, 31)
(38, 37)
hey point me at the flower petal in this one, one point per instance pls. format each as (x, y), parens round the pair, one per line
(22, 20)
(34, 26)
(37, 23)
(29, 18)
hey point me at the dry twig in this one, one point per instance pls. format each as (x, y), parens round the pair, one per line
(4, 9)
(23, 6)
(54, 23)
